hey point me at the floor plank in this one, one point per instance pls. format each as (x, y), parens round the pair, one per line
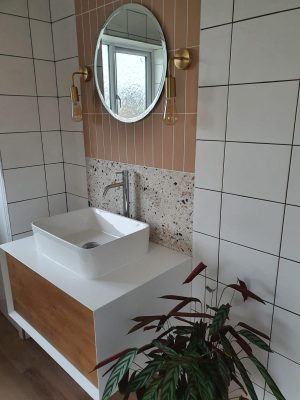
(28, 373)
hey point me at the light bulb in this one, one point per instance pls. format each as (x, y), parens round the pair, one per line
(76, 111)
(170, 111)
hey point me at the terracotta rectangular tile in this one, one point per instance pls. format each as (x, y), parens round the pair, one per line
(94, 31)
(79, 27)
(168, 143)
(99, 128)
(107, 139)
(139, 142)
(178, 155)
(169, 23)
(100, 18)
(87, 39)
(92, 4)
(78, 7)
(114, 134)
(181, 24)
(148, 140)
(93, 135)
(190, 143)
(84, 5)
(157, 140)
(192, 82)
(100, 3)
(84, 97)
(122, 141)
(147, 3)
(181, 94)
(193, 23)
(86, 133)
(130, 143)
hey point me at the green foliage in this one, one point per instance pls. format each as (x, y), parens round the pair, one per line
(195, 357)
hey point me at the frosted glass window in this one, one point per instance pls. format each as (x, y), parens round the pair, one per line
(131, 84)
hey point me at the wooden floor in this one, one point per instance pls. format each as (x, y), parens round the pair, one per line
(28, 373)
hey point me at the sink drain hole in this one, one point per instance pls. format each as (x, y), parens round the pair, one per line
(90, 245)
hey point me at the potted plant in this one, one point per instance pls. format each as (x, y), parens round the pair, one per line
(195, 359)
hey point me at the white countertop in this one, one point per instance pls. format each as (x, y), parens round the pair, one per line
(96, 293)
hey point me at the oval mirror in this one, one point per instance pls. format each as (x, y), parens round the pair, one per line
(130, 63)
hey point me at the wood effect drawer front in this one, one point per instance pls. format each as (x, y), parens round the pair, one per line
(61, 320)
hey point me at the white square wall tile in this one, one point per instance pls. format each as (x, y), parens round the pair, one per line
(257, 170)
(21, 149)
(287, 294)
(15, 7)
(52, 147)
(25, 183)
(291, 234)
(262, 112)
(294, 182)
(278, 55)
(18, 114)
(64, 70)
(211, 115)
(73, 147)
(253, 223)
(76, 203)
(206, 250)
(41, 40)
(49, 113)
(18, 76)
(207, 211)
(65, 38)
(209, 164)
(61, 9)
(76, 180)
(55, 178)
(214, 65)
(45, 78)
(21, 214)
(67, 124)
(215, 12)
(297, 127)
(57, 204)
(39, 9)
(286, 375)
(285, 334)
(257, 269)
(248, 9)
(15, 36)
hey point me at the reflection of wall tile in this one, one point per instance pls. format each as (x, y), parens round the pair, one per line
(167, 208)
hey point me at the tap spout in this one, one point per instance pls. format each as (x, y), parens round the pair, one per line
(112, 186)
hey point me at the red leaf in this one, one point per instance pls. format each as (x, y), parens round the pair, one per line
(161, 322)
(149, 318)
(174, 297)
(254, 330)
(179, 306)
(185, 320)
(242, 343)
(111, 358)
(235, 379)
(196, 271)
(242, 288)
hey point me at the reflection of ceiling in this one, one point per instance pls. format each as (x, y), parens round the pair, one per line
(134, 24)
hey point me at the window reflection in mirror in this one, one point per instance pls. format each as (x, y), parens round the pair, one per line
(130, 63)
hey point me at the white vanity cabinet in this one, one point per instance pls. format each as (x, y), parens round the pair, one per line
(78, 321)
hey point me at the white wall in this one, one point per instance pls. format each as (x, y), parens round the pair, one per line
(247, 196)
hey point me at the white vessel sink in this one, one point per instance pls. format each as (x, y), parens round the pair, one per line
(91, 242)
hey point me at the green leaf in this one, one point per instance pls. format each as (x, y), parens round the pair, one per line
(118, 372)
(152, 391)
(143, 377)
(169, 384)
(224, 370)
(204, 384)
(255, 340)
(219, 319)
(246, 379)
(264, 373)
(166, 349)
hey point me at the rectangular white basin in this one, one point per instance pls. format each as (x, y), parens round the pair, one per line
(91, 242)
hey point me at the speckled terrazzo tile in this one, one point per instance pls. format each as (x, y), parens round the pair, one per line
(162, 198)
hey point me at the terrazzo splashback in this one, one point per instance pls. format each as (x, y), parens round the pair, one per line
(167, 207)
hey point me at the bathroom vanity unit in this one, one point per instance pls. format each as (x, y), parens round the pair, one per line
(80, 321)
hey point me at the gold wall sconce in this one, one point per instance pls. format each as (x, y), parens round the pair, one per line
(182, 60)
(85, 74)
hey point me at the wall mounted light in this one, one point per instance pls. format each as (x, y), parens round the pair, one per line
(182, 60)
(85, 74)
